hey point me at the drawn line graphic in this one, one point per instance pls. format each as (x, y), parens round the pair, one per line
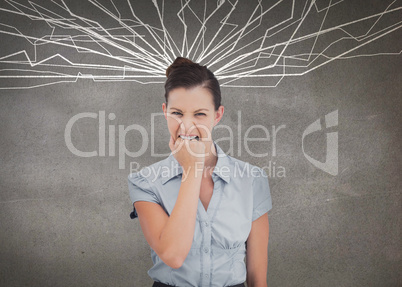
(246, 43)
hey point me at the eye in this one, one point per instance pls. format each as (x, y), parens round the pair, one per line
(200, 114)
(176, 113)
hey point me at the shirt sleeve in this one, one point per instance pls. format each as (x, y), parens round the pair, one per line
(140, 190)
(262, 202)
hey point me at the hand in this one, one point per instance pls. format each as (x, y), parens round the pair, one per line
(189, 153)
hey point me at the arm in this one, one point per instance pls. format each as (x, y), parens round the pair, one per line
(257, 252)
(171, 236)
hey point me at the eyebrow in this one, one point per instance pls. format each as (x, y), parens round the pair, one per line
(194, 111)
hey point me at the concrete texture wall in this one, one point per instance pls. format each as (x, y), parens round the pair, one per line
(64, 219)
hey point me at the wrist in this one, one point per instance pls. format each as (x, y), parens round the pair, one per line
(193, 172)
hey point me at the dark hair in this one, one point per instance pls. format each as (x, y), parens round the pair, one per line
(183, 73)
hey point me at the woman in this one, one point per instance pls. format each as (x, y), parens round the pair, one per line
(201, 211)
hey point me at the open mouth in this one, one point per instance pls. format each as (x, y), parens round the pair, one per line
(189, 137)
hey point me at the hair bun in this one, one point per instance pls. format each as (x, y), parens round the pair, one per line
(180, 61)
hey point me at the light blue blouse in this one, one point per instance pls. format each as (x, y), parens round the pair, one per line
(241, 194)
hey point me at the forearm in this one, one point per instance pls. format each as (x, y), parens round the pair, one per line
(257, 277)
(177, 235)
(257, 253)
(254, 283)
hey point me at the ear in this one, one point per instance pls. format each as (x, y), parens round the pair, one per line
(164, 108)
(219, 114)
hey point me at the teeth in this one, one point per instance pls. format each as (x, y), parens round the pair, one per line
(189, 137)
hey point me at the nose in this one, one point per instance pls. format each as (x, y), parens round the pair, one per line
(188, 126)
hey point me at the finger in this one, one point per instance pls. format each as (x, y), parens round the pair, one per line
(171, 143)
(195, 148)
(178, 144)
(179, 141)
(182, 129)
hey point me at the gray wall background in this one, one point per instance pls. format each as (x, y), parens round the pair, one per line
(65, 219)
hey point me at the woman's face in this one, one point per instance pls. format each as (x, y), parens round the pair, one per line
(191, 112)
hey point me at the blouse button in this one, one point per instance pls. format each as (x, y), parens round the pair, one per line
(206, 250)
(205, 223)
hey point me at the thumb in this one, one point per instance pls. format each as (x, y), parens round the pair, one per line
(171, 143)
